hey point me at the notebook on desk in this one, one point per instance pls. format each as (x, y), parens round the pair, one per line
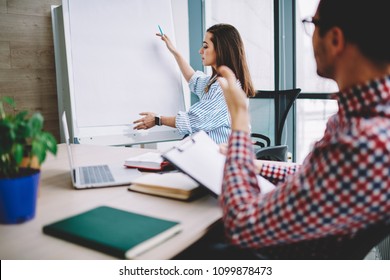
(113, 231)
(97, 176)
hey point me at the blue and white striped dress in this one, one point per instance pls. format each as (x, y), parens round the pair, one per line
(209, 114)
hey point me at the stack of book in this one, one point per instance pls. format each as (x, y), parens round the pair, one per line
(175, 185)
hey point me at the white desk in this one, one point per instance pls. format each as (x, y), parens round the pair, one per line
(58, 199)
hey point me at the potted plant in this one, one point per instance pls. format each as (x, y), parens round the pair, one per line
(22, 139)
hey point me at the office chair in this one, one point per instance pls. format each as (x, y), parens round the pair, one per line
(332, 247)
(274, 153)
(283, 101)
(214, 246)
(383, 248)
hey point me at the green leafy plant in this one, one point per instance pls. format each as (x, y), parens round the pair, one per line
(21, 136)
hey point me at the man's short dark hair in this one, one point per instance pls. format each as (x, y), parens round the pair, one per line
(365, 23)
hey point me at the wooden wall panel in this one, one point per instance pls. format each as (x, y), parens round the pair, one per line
(3, 6)
(31, 7)
(25, 28)
(5, 57)
(27, 82)
(27, 69)
(32, 55)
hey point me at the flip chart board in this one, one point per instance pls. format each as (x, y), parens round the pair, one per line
(115, 67)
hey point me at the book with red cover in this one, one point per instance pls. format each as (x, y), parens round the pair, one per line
(150, 161)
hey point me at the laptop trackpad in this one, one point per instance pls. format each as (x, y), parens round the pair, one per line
(123, 174)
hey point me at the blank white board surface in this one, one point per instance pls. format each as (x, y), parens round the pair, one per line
(118, 68)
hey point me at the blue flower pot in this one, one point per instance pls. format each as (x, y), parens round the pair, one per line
(18, 197)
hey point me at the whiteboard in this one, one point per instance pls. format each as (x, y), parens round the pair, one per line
(117, 67)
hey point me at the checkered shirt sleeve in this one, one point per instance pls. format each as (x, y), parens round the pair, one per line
(275, 173)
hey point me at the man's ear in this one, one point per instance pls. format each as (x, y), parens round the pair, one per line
(336, 40)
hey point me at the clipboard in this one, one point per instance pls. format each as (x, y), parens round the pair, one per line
(198, 156)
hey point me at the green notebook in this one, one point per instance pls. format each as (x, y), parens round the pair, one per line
(115, 232)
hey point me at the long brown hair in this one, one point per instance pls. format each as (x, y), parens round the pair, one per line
(230, 52)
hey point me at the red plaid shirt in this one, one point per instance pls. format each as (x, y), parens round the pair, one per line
(343, 185)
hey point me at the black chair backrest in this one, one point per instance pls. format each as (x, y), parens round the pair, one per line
(283, 101)
(333, 247)
(274, 153)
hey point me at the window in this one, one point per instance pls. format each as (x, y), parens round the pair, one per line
(257, 32)
(311, 121)
(307, 78)
(312, 114)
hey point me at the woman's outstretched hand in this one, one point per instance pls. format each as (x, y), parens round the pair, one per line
(146, 122)
(168, 42)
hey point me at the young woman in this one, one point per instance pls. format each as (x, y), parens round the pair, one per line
(222, 45)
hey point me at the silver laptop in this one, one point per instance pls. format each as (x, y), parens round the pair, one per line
(96, 176)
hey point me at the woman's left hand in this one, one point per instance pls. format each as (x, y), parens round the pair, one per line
(223, 148)
(146, 122)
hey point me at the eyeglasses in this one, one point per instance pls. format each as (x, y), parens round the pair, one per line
(309, 25)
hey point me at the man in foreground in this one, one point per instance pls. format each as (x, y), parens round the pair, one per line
(339, 199)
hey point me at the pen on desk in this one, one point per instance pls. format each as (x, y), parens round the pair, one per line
(161, 32)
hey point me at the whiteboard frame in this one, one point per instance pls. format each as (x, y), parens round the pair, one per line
(105, 135)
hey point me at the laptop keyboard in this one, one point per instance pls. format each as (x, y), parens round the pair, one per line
(95, 174)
